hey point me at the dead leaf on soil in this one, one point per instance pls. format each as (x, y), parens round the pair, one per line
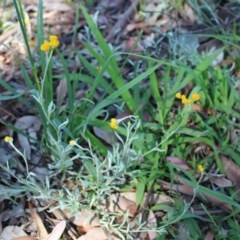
(121, 204)
(11, 232)
(57, 231)
(232, 172)
(61, 91)
(219, 180)
(126, 202)
(189, 190)
(157, 198)
(123, 20)
(94, 233)
(129, 44)
(25, 238)
(85, 220)
(43, 234)
(151, 224)
(178, 162)
(209, 236)
(234, 135)
(105, 135)
(188, 13)
(32, 125)
(59, 5)
(87, 224)
(109, 4)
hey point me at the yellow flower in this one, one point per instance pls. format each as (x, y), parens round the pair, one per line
(183, 96)
(45, 47)
(53, 38)
(178, 95)
(113, 123)
(72, 142)
(195, 97)
(185, 100)
(54, 42)
(51, 44)
(8, 139)
(200, 168)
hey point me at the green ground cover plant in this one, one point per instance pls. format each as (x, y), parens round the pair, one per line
(186, 113)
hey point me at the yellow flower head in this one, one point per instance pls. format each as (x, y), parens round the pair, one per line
(200, 168)
(8, 139)
(195, 97)
(113, 123)
(51, 44)
(185, 100)
(53, 38)
(54, 42)
(45, 47)
(72, 142)
(178, 95)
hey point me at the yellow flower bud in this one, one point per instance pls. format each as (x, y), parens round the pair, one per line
(72, 142)
(8, 139)
(178, 95)
(45, 47)
(200, 168)
(195, 97)
(113, 123)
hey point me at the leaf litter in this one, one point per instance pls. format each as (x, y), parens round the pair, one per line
(59, 14)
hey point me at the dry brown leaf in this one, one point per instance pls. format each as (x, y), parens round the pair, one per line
(27, 122)
(234, 135)
(209, 236)
(24, 238)
(189, 13)
(11, 232)
(122, 202)
(123, 20)
(43, 234)
(126, 202)
(188, 190)
(85, 220)
(32, 125)
(61, 91)
(232, 172)
(57, 231)
(59, 215)
(177, 161)
(129, 44)
(119, 203)
(109, 4)
(219, 180)
(157, 198)
(151, 224)
(94, 234)
(107, 136)
(58, 5)
(25, 145)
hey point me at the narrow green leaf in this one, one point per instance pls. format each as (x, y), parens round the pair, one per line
(140, 190)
